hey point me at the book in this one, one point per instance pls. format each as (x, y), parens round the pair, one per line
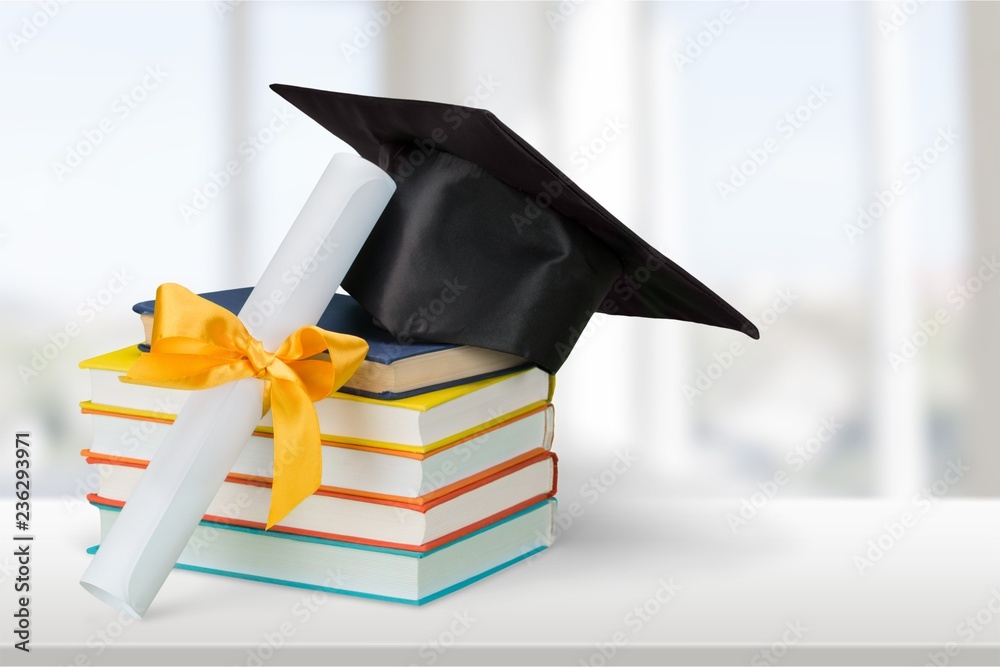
(391, 369)
(417, 526)
(420, 423)
(362, 470)
(333, 566)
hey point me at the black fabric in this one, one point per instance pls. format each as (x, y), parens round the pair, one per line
(486, 243)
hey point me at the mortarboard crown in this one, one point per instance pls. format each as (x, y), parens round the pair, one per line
(486, 243)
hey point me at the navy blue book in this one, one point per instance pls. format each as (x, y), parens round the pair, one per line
(392, 369)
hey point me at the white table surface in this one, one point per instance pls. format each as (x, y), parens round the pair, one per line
(792, 564)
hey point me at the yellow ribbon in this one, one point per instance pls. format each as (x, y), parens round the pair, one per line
(197, 344)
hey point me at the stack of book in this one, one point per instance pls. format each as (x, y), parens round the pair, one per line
(437, 469)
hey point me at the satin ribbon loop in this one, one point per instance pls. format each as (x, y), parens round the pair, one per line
(197, 344)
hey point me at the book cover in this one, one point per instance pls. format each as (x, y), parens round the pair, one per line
(408, 524)
(305, 561)
(356, 469)
(345, 315)
(503, 397)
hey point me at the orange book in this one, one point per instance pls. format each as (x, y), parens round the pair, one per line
(421, 524)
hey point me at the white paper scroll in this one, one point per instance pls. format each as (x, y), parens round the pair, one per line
(190, 466)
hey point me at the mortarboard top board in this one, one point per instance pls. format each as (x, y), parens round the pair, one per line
(487, 243)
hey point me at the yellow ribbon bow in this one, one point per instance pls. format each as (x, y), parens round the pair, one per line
(197, 344)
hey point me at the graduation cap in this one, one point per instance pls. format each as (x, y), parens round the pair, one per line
(487, 243)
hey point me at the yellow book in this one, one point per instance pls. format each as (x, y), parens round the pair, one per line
(420, 423)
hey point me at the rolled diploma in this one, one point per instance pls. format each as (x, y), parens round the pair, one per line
(212, 428)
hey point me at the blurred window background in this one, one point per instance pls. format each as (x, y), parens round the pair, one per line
(830, 169)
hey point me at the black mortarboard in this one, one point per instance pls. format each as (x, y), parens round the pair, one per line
(486, 243)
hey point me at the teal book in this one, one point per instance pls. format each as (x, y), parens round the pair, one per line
(374, 572)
